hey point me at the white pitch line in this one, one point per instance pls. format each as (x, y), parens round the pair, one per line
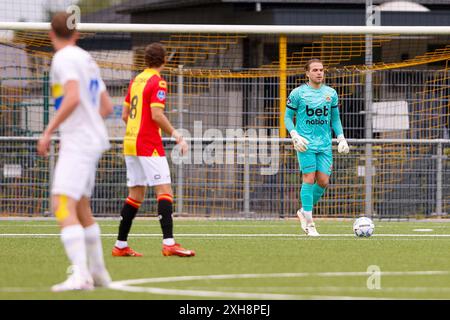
(239, 295)
(127, 285)
(334, 289)
(231, 235)
(265, 289)
(277, 275)
(22, 290)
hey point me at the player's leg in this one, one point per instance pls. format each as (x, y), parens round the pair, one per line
(72, 232)
(321, 184)
(94, 248)
(164, 198)
(306, 195)
(324, 168)
(136, 182)
(322, 177)
(161, 181)
(165, 211)
(307, 162)
(318, 190)
(65, 196)
(129, 211)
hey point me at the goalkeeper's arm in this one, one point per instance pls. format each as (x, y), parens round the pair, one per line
(337, 128)
(300, 143)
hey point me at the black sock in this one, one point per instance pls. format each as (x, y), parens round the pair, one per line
(165, 216)
(128, 213)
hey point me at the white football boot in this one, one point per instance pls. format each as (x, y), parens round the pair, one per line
(311, 230)
(302, 220)
(76, 281)
(101, 278)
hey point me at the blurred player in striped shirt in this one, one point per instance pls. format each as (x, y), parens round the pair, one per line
(145, 157)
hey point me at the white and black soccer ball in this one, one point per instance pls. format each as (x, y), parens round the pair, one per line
(363, 227)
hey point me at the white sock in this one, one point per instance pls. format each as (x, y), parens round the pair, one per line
(94, 248)
(121, 244)
(72, 238)
(308, 216)
(169, 242)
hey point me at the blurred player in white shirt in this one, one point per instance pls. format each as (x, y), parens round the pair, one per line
(81, 101)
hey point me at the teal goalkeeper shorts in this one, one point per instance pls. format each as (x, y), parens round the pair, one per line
(312, 161)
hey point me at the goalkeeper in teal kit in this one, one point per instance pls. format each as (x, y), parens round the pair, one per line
(315, 108)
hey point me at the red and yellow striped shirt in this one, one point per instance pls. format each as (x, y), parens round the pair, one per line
(143, 135)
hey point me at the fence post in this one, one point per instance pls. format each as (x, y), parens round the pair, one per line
(46, 94)
(283, 80)
(368, 176)
(439, 180)
(246, 179)
(51, 169)
(180, 125)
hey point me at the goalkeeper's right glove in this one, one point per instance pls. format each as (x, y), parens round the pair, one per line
(300, 143)
(343, 145)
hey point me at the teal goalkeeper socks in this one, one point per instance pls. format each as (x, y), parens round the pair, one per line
(306, 194)
(318, 191)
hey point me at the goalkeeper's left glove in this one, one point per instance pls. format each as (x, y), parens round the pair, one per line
(343, 145)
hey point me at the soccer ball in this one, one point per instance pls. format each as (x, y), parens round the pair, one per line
(363, 227)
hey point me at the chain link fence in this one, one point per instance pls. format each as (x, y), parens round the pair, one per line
(411, 180)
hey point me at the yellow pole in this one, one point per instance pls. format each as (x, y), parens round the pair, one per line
(283, 78)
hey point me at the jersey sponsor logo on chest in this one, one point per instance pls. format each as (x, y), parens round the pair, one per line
(317, 112)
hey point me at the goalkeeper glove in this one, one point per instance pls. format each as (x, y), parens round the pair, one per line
(300, 143)
(343, 145)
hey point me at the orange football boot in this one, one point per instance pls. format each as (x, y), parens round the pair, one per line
(125, 252)
(177, 250)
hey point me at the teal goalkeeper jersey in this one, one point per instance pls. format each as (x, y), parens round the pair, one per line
(316, 112)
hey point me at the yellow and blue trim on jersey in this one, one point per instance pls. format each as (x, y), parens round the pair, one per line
(58, 94)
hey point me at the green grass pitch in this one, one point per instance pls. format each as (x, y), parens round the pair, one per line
(241, 259)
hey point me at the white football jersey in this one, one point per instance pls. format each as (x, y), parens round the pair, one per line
(84, 130)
